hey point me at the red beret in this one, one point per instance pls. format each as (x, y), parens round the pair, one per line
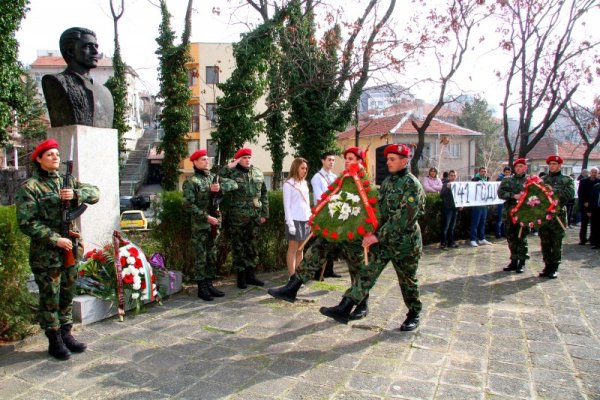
(243, 152)
(400, 149)
(197, 154)
(520, 161)
(356, 151)
(42, 147)
(555, 158)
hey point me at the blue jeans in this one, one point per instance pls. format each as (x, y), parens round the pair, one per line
(478, 218)
(448, 223)
(499, 223)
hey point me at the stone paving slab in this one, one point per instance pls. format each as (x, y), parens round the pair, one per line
(484, 334)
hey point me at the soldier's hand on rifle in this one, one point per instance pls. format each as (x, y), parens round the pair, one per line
(369, 240)
(64, 243)
(517, 196)
(233, 163)
(215, 187)
(212, 220)
(66, 194)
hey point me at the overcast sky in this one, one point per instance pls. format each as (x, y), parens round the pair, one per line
(138, 29)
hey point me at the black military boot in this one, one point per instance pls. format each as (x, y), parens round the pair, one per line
(550, 271)
(241, 280)
(56, 347)
(329, 272)
(341, 312)
(411, 322)
(214, 292)
(72, 344)
(289, 291)
(512, 266)
(251, 278)
(203, 291)
(520, 267)
(361, 310)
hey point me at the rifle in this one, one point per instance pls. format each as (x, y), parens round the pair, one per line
(68, 215)
(216, 198)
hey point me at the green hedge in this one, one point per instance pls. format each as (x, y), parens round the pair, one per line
(17, 305)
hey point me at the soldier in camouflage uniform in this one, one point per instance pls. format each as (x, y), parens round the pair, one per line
(316, 256)
(510, 190)
(198, 192)
(552, 232)
(248, 209)
(397, 239)
(39, 216)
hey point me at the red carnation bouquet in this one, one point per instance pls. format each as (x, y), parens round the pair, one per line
(535, 206)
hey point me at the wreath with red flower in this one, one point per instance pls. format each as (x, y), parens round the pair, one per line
(536, 204)
(347, 211)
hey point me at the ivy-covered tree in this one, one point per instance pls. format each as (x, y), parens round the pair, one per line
(276, 126)
(117, 84)
(175, 94)
(30, 118)
(12, 98)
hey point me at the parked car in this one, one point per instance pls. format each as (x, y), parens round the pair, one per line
(140, 202)
(133, 219)
(125, 203)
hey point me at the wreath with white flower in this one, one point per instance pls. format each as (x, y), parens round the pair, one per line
(139, 283)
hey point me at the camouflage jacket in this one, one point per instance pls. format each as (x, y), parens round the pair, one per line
(562, 186)
(197, 196)
(250, 201)
(39, 208)
(510, 186)
(401, 203)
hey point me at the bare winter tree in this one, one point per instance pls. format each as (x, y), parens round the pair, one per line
(549, 58)
(586, 121)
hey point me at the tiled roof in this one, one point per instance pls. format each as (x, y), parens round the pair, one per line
(401, 124)
(58, 61)
(567, 150)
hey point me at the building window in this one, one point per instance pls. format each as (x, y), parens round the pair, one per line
(195, 125)
(211, 147)
(192, 76)
(211, 112)
(453, 150)
(212, 75)
(192, 146)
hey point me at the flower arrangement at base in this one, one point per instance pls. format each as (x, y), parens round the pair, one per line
(347, 211)
(99, 275)
(536, 205)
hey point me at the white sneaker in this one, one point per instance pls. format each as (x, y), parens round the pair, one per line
(483, 242)
(474, 244)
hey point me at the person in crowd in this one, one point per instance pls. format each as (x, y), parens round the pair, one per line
(296, 208)
(396, 240)
(593, 211)
(445, 177)
(583, 193)
(432, 183)
(499, 225)
(552, 232)
(510, 190)
(571, 208)
(248, 210)
(316, 254)
(479, 215)
(199, 191)
(40, 201)
(579, 212)
(449, 214)
(319, 183)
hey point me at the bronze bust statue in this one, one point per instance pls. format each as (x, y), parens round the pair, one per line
(72, 97)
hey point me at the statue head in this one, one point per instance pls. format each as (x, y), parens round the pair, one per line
(79, 48)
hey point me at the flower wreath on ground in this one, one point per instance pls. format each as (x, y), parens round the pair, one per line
(99, 275)
(536, 205)
(347, 211)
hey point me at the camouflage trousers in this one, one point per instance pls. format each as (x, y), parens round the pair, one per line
(517, 245)
(551, 237)
(316, 256)
(404, 256)
(205, 254)
(57, 289)
(243, 246)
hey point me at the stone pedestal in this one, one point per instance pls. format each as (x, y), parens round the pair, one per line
(95, 161)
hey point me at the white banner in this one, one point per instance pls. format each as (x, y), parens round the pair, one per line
(471, 194)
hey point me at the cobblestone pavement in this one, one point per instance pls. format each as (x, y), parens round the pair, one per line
(485, 334)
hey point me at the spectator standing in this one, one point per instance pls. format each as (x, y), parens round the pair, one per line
(594, 213)
(319, 183)
(479, 215)
(432, 183)
(297, 212)
(449, 213)
(570, 207)
(499, 226)
(583, 193)
(578, 214)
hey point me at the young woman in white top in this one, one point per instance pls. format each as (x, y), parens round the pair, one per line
(297, 212)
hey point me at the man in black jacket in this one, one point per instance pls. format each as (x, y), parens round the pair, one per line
(449, 213)
(584, 193)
